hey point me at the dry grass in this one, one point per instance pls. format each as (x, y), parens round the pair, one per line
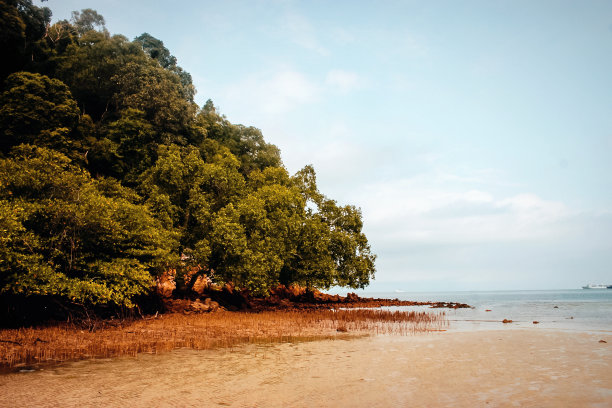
(29, 346)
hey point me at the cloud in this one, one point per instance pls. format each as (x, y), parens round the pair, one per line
(343, 81)
(272, 94)
(428, 209)
(530, 208)
(342, 36)
(435, 232)
(302, 33)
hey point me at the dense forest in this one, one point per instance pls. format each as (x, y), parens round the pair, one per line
(111, 174)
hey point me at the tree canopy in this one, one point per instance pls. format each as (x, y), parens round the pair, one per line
(110, 174)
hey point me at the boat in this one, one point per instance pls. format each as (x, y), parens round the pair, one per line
(597, 286)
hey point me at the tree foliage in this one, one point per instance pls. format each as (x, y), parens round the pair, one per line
(36, 108)
(87, 20)
(110, 174)
(22, 27)
(70, 235)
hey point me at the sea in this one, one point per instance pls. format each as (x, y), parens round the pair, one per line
(581, 310)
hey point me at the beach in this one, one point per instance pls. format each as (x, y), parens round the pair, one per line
(517, 367)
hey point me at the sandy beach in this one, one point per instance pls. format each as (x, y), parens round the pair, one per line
(533, 368)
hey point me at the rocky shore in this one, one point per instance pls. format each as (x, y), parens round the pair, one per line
(202, 297)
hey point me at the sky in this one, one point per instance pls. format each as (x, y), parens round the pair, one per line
(475, 136)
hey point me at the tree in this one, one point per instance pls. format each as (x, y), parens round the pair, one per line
(252, 240)
(156, 50)
(246, 143)
(158, 93)
(89, 66)
(22, 26)
(348, 245)
(87, 20)
(127, 147)
(185, 191)
(109, 172)
(69, 236)
(332, 250)
(39, 110)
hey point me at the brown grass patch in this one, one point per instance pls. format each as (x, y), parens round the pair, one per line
(33, 346)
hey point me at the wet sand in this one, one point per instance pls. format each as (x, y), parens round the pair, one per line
(527, 368)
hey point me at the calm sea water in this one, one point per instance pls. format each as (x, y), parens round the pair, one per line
(577, 309)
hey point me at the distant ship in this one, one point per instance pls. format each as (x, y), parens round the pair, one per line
(594, 286)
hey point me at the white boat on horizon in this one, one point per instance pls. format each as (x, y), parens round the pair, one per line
(597, 286)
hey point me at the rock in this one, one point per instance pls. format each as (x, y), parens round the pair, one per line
(166, 283)
(535, 322)
(602, 341)
(556, 307)
(189, 275)
(187, 306)
(177, 305)
(296, 290)
(506, 321)
(487, 310)
(228, 288)
(214, 306)
(199, 307)
(283, 292)
(201, 284)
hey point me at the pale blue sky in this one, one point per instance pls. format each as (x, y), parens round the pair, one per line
(476, 136)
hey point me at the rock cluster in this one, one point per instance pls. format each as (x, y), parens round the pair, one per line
(187, 306)
(198, 295)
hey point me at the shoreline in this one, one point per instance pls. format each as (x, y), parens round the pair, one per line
(498, 367)
(45, 346)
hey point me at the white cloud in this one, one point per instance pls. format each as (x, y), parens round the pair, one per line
(272, 94)
(302, 33)
(427, 210)
(532, 208)
(343, 81)
(342, 36)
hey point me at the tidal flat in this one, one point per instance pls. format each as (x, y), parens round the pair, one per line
(31, 348)
(543, 368)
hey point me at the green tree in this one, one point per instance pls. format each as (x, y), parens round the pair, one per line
(87, 20)
(246, 143)
(349, 248)
(22, 26)
(155, 49)
(164, 178)
(67, 235)
(252, 241)
(127, 148)
(39, 110)
(332, 249)
(89, 67)
(185, 190)
(158, 93)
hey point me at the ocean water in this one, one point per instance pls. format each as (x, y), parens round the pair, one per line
(585, 310)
